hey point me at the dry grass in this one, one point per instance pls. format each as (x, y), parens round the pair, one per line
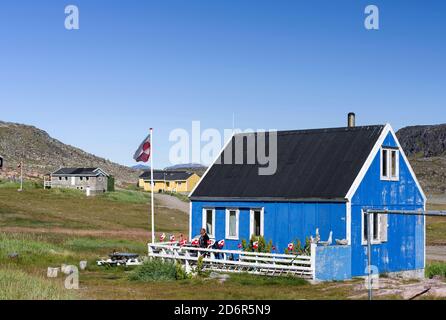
(51, 228)
(35, 208)
(436, 227)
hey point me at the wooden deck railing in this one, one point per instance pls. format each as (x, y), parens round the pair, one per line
(237, 261)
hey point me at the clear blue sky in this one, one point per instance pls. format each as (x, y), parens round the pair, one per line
(162, 64)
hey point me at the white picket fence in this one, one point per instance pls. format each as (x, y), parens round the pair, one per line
(271, 264)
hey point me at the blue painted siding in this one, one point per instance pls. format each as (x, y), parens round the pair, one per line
(288, 221)
(404, 249)
(283, 221)
(333, 263)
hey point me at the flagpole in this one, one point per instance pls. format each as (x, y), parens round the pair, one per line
(151, 184)
(21, 175)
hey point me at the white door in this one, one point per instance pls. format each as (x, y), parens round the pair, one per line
(73, 181)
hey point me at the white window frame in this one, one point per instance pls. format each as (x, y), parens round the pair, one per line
(237, 223)
(203, 221)
(389, 176)
(251, 221)
(379, 240)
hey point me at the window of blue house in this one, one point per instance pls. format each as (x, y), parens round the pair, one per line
(389, 164)
(232, 224)
(208, 221)
(256, 222)
(379, 228)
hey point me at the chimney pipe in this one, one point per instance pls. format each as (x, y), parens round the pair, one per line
(351, 120)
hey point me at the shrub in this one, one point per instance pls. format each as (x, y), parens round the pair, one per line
(157, 270)
(181, 272)
(436, 269)
(262, 245)
(299, 249)
(200, 266)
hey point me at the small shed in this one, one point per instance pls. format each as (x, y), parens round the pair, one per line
(324, 180)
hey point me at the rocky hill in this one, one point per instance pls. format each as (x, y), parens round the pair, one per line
(42, 154)
(425, 147)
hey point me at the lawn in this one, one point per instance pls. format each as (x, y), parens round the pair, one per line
(48, 228)
(436, 227)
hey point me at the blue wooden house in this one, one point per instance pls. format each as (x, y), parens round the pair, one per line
(325, 179)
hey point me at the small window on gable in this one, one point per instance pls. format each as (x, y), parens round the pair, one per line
(389, 164)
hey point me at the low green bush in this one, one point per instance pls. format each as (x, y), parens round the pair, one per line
(262, 245)
(157, 270)
(435, 269)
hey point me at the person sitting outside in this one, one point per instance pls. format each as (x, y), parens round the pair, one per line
(204, 238)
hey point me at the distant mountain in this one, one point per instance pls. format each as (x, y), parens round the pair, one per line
(425, 147)
(195, 167)
(141, 167)
(42, 154)
(423, 141)
(186, 166)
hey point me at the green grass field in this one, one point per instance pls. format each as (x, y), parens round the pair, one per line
(48, 228)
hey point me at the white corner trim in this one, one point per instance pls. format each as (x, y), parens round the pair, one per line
(348, 222)
(357, 182)
(190, 220)
(367, 163)
(213, 163)
(424, 234)
(408, 165)
(237, 220)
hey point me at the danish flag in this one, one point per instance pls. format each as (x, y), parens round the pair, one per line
(183, 242)
(221, 243)
(255, 244)
(143, 152)
(172, 238)
(195, 242)
(291, 246)
(162, 237)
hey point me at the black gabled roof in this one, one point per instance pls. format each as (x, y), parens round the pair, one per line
(167, 175)
(77, 171)
(311, 164)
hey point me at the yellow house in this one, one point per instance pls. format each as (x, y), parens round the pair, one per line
(169, 181)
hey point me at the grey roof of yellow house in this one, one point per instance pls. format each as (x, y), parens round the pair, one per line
(167, 175)
(79, 172)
